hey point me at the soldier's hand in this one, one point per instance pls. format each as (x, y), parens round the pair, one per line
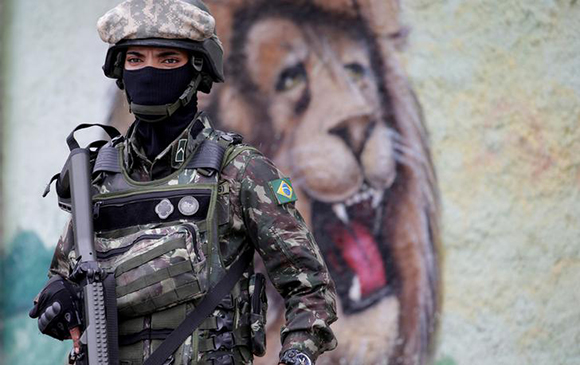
(57, 308)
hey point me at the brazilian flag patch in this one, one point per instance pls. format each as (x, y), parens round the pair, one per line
(283, 190)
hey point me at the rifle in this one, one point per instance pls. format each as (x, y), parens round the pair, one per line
(99, 339)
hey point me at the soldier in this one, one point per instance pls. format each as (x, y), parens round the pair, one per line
(178, 203)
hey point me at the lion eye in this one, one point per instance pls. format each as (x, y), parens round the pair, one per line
(356, 71)
(291, 77)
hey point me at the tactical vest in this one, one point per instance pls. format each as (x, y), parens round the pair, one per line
(160, 238)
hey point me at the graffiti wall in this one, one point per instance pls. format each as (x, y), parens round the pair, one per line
(431, 144)
(319, 88)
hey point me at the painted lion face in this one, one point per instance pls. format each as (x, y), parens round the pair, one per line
(340, 154)
(314, 91)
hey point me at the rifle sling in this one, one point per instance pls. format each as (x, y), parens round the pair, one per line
(146, 334)
(204, 309)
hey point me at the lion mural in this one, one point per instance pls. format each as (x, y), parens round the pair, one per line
(317, 86)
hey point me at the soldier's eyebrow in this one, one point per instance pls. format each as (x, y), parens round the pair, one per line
(168, 53)
(135, 53)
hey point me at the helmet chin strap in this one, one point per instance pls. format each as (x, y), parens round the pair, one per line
(167, 110)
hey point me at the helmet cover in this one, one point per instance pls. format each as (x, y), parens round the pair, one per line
(161, 23)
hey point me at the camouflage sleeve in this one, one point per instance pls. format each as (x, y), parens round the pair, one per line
(292, 259)
(61, 259)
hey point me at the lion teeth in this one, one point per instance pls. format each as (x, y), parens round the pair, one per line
(365, 193)
(340, 211)
(355, 293)
(377, 197)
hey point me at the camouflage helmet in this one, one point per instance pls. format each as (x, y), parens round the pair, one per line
(186, 24)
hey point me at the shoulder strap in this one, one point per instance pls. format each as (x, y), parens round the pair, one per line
(208, 156)
(211, 152)
(202, 310)
(107, 159)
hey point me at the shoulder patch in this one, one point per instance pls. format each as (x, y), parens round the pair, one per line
(283, 190)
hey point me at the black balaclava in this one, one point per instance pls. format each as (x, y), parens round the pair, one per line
(154, 86)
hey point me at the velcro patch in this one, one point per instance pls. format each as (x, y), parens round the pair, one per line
(180, 151)
(283, 190)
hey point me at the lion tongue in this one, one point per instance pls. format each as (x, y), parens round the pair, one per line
(361, 253)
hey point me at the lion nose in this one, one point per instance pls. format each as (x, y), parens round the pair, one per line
(350, 112)
(354, 131)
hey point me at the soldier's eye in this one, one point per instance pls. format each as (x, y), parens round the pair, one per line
(356, 71)
(291, 77)
(133, 60)
(170, 60)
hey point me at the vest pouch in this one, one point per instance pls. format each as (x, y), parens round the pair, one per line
(155, 269)
(258, 309)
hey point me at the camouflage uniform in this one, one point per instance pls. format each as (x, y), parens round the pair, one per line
(249, 215)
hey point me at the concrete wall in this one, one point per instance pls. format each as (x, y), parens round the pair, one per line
(2, 33)
(500, 88)
(53, 82)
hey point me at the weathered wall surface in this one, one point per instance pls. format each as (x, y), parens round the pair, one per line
(53, 82)
(500, 88)
(2, 33)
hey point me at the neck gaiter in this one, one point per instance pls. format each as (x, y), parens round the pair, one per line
(153, 86)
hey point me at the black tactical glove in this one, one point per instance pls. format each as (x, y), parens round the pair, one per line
(58, 308)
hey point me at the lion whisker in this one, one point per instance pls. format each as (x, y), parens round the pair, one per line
(404, 160)
(410, 153)
(398, 139)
